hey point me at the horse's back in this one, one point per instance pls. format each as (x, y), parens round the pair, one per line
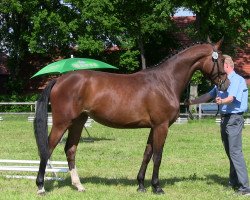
(106, 97)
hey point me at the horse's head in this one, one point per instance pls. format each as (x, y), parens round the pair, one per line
(213, 67)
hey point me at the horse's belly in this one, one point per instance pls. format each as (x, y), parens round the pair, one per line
(121, 120)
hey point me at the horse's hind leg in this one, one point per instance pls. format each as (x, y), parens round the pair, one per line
(74, 134)
(146, 158)
(55, 136)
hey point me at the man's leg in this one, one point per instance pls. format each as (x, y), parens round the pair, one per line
(233, 179)
(234, 131)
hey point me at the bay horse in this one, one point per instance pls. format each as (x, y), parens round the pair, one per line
(146, 99)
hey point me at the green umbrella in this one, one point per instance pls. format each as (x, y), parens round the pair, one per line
(72, 64)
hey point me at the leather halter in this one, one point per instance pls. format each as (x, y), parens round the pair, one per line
(219, 73)
(212, 77)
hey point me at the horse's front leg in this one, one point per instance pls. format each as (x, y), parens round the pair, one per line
(159, 137)
(146, 158)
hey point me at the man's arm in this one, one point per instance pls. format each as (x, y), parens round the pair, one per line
(226, 100)
(202, 99)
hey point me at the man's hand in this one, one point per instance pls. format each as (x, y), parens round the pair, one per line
(218, 100)
(226, 100)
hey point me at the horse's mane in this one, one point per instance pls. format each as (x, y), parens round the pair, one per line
(175, 52)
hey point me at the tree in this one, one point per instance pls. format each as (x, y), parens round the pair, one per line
(141, 20)
(229, 18)
(54, 27)
(128, 24)
(32, 27)
(14, 27)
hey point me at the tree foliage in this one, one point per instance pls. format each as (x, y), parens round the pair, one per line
(141, 29)
(217, 18)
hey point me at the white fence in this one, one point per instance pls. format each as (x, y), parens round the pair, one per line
(53, 167)
(200, 113)
(50, 121)
(31, 104)
(246, 121)
(32, 112)
(202, 110)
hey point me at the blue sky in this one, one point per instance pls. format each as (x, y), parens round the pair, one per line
(183, 12)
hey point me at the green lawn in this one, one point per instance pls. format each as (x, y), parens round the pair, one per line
(194, 165)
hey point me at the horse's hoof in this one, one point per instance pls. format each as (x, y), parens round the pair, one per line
(141, 189)
(41, 191)
(79, 187)
(158, 191)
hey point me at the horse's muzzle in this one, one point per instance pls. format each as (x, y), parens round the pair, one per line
(223, 85)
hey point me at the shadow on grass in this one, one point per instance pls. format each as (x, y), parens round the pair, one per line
(214, 178)
(209, 179)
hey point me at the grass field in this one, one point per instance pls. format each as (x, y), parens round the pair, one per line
(194, 165)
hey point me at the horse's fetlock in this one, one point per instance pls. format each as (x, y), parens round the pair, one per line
(155, 183)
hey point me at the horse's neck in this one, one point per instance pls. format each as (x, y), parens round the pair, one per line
(182, 69)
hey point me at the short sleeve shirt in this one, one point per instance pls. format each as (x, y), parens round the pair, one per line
(238, 89)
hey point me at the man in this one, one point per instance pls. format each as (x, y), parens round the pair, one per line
(232, 104)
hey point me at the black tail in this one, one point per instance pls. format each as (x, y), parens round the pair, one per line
(40, 121)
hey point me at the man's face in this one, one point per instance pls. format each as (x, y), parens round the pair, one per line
(226, 67)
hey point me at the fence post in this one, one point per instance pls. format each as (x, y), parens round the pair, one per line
(200, 111)
(35, 106)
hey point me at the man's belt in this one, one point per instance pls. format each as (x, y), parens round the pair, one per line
(229, 114)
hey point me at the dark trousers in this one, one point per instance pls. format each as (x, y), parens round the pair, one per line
(231, 134)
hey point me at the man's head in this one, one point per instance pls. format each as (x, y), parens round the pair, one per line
(228, 64)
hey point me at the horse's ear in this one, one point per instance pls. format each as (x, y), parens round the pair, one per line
(208, 40)
(219, 43)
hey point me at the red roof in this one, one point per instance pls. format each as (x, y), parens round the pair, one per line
(242, 61)
(182, 23)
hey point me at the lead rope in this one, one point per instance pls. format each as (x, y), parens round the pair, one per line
(218, 107)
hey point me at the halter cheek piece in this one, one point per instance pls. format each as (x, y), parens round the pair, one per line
(215, 57)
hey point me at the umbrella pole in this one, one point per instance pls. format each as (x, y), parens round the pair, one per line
(90, 139)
